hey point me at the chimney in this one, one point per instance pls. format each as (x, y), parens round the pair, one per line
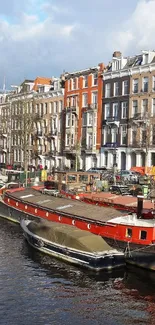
(101, 66)
(139, 206)
(117, 54)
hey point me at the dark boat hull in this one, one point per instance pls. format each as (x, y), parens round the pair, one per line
(104, 261)
(135, 254)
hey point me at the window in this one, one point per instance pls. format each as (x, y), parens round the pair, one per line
(51, 108)
(94, 99)
(68, 120)
(72, 139)
(125, 87)
(45, 108)
(84, 119)
(153, 83)
(143, 234)
(135, 86)
(89, 140)
(114, 132)
(85, 81)
(153, 106)
(72, 119)
(95, 79)
(129, 232)
(68, 85)
(90, 119)
(85, 100)
(73, 101)
(115, 109)
(124, 107)
(143, 136)
(134, 108)
(144, 106)
(123, 134)
(107, 110)
(133, 136)
(145, 84)
(107, 90)
(61, 105)
(67, 139)
(116, 88)
(74, 83)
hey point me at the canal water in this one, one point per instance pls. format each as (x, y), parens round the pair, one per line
(39, 290)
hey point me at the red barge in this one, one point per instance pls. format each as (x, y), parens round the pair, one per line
(132, 233)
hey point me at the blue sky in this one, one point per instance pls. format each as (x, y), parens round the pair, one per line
(46, 37)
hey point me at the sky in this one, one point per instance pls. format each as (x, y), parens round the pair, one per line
(47, 37)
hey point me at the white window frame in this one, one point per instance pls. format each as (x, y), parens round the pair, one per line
(135, 85)
(107, 110)
(85, 81)
(114, 106)
(95, 79)
(116, 88)
(85, 103)
(153, 107)
(124, 108)
(125, 87)
(145, 84)
(107, 90)
(123, 132)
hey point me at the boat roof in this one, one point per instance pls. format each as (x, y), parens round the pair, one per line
(69, 236)
(64, 205)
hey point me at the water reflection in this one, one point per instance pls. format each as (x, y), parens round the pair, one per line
(47, 291)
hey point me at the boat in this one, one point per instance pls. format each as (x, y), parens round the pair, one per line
(31, 203)
(133, 234)
(71, 244)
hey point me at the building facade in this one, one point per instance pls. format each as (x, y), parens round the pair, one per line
(83, 109)
(32, 118)
(128, 111)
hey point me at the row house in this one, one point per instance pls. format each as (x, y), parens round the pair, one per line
(83, 109)
(42, 101)
(128, 132)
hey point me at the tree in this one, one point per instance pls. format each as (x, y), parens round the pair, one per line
(143, 128)
(24, 119)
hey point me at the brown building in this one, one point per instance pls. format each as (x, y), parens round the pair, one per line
(83, 108)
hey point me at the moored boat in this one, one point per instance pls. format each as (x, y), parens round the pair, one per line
(72, 244)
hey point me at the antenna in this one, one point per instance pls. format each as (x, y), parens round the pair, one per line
(4, 89)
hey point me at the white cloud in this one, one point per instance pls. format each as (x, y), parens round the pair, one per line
(138, 31)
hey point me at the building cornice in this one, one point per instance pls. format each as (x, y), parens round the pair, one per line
(129, 72)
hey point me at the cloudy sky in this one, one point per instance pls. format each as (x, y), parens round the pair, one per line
(46, 37)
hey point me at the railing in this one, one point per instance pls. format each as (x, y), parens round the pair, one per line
(111, 144)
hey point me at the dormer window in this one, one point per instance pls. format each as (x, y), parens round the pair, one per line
(41, 89)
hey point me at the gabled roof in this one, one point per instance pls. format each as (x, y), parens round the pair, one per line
(41, 81)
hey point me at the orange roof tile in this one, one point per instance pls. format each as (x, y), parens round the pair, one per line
(41, 81)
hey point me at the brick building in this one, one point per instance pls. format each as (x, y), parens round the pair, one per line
(83, 108)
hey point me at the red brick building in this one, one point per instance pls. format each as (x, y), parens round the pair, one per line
(83, 107)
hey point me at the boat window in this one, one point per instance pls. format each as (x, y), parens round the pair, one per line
(143, 234)
(129, 232)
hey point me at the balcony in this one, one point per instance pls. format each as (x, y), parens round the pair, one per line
(90, 149)
(70, 149)
(138, 118)
(112, 120)
(111, 145)
(52, 134)
(71, 109)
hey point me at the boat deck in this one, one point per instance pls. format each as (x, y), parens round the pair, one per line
(64, 205)
(126, 200)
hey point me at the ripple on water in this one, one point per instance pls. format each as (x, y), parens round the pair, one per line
(37, 289)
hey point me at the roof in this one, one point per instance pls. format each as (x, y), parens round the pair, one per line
(64, 205)
(41, 81)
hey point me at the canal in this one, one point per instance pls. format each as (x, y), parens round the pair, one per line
(39, 290)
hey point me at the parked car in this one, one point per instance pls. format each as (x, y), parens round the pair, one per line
(96, 169)
(128, 175)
